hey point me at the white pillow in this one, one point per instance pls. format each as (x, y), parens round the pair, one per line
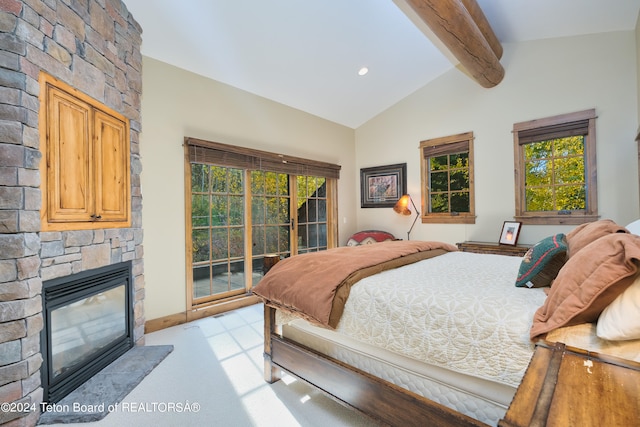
(620, 320)
(634, 227)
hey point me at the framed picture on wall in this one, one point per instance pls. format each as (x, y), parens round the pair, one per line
(510, 232)
(382, 186)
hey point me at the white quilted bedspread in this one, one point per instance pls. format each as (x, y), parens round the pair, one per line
(470, 318)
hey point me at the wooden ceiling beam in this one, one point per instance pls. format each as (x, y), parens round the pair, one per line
(463, 29)
(483, 25)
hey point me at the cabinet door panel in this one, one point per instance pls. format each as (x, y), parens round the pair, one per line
(86, 161)
(69, 170)
(112, 168)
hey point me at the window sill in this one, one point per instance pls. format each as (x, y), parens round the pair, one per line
(574, 219)
(449, 219)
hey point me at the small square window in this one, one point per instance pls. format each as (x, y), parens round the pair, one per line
(447, 179)
(555, 169)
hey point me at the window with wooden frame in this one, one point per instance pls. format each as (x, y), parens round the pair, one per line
(555, 169)
(246, 207)
(446, 166)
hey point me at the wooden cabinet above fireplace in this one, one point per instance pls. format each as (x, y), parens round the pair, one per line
(85, 170)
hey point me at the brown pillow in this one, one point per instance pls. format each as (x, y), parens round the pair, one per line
(589, 282)
(584, 234)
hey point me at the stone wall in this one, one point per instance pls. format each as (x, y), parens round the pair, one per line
(93, 45)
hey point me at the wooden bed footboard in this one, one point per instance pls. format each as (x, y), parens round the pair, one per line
(379, 399)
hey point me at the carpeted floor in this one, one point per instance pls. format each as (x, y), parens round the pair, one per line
(93, 400)
(214, 377)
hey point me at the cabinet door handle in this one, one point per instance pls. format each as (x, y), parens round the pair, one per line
(96, 217)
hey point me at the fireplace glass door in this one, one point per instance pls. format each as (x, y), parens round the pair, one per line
(88, 323)
(80, 329)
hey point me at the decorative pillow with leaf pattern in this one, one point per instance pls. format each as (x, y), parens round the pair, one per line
(541, 264)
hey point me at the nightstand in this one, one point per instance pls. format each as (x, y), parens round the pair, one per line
(567, 386)
(493, 248)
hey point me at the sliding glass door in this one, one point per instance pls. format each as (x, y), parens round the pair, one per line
(218, 231)
(270, 219)
(311, 213)
(239, 218)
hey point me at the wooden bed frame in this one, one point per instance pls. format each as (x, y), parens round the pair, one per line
(379, 399)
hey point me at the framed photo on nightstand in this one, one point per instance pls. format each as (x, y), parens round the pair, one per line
(510, 232)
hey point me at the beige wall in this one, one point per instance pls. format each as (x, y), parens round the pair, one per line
(543, 78)
(176, 104)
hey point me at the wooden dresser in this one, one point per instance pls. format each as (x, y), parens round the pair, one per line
(566, 386)
(493, 248)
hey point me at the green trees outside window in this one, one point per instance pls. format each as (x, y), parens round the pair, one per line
(449, 183)
(555, 169)
(555, 174)
(226, 254)
(218, 229)
(270, 217)
(446, 169)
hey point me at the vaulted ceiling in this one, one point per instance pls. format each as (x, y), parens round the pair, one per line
(307, 54)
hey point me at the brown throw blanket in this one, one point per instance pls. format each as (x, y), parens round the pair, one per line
(316, 285)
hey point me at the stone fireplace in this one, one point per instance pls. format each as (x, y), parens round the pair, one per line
(88, 323)
(93, 46)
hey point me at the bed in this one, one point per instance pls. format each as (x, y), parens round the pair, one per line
(417, 333)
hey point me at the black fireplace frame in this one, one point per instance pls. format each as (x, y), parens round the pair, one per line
(66, 290)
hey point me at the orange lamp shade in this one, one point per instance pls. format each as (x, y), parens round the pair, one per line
(402, 205)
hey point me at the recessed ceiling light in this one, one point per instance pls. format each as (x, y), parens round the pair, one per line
(363, 71)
